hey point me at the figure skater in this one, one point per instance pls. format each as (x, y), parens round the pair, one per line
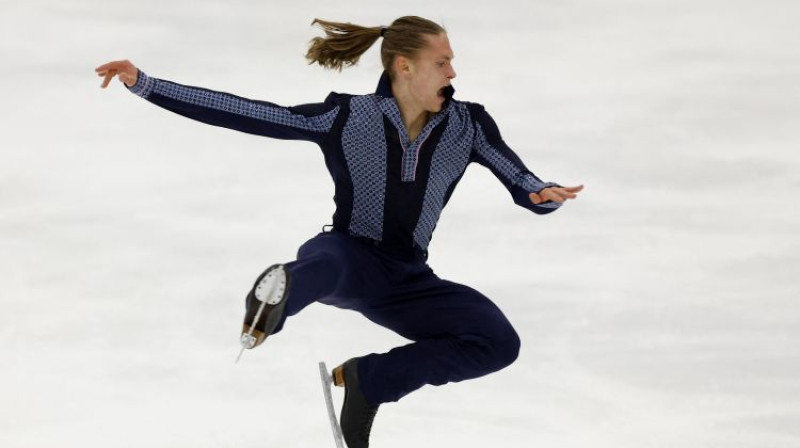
(395, 157)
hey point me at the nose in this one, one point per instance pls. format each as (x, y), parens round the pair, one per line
(451, 74)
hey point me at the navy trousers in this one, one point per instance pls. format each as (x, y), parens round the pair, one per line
(457, 332)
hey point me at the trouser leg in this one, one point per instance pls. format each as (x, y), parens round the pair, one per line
(330, 268)
(459, 334)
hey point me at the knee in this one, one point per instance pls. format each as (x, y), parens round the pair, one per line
(506, 347)
(497, 348)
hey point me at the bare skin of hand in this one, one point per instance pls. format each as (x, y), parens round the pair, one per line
(126, 72)
(555, 194)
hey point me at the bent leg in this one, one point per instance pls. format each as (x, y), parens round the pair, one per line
(330, 268)
(459, 334)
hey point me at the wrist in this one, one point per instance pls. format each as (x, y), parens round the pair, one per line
(143, 85)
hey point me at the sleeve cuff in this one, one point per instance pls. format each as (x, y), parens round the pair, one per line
(532, 184)
(144, 85)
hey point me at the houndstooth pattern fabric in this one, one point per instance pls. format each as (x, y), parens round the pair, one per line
(364, 145)
(410, 159)
(226, 102)
(357, 151)
(506, 168)
(410, 149)
(510, 171)
(144, 85)
(450, 159)
(531, 183)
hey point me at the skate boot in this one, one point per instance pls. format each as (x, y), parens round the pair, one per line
(264, 306)
(357, 415)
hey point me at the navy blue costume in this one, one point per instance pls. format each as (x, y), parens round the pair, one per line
(389, 194)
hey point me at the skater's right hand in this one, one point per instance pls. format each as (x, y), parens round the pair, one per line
(126, 71)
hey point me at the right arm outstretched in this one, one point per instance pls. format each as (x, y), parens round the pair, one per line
(310, 122)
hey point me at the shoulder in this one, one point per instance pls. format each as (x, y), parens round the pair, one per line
(470, 114)
(481, 121)
(468, 110)
(338, 98)
(350, 101)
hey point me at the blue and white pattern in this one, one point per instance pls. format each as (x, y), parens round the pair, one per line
(364, 145)
(513, 173)
(411, 158)
(450, 159)
(144, 85)
(352, 133)
(410, 149)
(226, 102)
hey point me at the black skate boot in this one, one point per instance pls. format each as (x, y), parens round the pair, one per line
(264, 306)
(357, 415)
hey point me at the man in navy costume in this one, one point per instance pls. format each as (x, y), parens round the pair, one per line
(395, 157)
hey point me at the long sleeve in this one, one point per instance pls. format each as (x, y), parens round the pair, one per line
(310, 122)
(491, 151)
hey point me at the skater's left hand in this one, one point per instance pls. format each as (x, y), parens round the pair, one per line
(556, 194)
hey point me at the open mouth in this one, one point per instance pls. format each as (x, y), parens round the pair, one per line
(440, 93)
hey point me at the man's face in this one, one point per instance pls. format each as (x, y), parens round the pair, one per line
(431, 72)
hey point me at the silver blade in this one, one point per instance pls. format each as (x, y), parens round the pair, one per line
(327, 381)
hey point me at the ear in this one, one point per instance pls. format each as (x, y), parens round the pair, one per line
(402, 66)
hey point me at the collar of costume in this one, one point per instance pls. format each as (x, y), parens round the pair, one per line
(385, 88)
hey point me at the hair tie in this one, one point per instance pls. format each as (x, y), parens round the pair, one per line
(383, 30)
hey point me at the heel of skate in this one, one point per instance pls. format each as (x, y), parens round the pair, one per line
(338, 376)
(251, 337)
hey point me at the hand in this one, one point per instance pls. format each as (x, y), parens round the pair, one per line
(126, 71)
(556, 194)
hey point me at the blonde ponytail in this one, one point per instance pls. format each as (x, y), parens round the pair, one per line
(344, 43)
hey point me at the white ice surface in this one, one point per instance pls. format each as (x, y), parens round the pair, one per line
(659, 309)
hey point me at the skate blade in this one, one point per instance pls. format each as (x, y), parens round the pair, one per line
(327, 381)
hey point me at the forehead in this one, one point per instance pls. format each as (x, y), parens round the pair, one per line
(438, 47)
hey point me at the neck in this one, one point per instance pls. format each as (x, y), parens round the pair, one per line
(414, 116)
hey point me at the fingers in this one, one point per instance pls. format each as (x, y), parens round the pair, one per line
(126, 71)
(567, 195)
(555, 194)
(108, 77)
(114, 65)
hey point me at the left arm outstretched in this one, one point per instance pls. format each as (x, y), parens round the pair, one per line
(526, 188)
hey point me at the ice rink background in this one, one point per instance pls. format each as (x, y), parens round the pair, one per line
(659, 309)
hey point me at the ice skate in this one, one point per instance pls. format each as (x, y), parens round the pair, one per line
(357, 415)
(264, 306)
